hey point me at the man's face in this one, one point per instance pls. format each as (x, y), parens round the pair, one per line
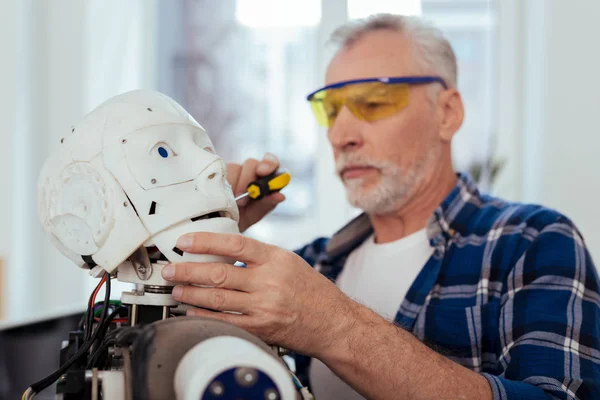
(382, 163)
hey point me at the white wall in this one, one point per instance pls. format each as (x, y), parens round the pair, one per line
(61, 59)
(570, 158)
(8, 68)
(550, 133)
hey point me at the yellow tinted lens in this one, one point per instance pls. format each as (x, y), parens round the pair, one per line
(319, 111)
(325, 106)
(373, 101)
(368, 101)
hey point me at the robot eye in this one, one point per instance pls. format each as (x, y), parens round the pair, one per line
(163, 150)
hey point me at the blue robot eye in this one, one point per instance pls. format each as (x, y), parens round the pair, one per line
(163, 152)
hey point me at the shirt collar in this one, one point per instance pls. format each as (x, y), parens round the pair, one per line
(450, 216)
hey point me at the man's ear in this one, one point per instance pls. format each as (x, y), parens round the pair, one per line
(452, 113)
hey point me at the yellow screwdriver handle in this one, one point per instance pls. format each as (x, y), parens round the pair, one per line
(269, 184)
(279, 182)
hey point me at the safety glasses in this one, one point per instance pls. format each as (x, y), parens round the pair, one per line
(369, 99)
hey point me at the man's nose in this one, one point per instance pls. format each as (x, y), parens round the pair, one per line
(345, 134)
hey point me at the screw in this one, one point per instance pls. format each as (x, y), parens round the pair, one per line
(142, 269)
(271, 394)
(153, 181)
(124, 141)
(281, 351)
(62, 140)
(216, 388)
(246, 377)
(125, 204)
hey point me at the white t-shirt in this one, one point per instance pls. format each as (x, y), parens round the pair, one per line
(377, 276)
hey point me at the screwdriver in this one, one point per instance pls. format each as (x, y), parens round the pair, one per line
(265, 186)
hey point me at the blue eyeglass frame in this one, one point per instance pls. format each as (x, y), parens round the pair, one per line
(411, 80)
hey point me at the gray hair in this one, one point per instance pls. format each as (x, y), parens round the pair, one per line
(432, 51)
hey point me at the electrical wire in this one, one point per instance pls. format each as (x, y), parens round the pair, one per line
(303, 390)
(100, 306)
(296, 381)
(121, 337)
(27, 394)
(90, 313)
(85, 347)
(115, 321)
(107, 340)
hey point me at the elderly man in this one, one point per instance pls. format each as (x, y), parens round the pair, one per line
(438, 290)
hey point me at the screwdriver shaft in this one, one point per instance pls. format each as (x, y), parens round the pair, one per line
(241, 196)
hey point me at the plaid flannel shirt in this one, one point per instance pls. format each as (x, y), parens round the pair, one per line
(510, 292)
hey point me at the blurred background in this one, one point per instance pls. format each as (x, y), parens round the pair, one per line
(527, 71)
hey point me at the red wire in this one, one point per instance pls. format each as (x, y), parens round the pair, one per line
(114, 321)
(97, 290)
(121, 320)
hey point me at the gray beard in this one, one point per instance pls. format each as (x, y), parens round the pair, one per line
(388, 195)
(394, 189)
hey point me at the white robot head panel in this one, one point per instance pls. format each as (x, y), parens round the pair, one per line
(138, 171)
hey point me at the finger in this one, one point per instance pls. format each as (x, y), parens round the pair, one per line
(213, 298)
(238, 247)
(268, 165)
(233, 174)
(211, 274)
(275, 198)
(243, 202)
(241, 321)
(258, 209)
(247, 175)
(268, 203)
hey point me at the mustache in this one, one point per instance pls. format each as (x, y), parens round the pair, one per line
(345, 160)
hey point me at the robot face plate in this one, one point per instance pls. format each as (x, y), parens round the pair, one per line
(154, 174)
(167, 155)
(178, 185)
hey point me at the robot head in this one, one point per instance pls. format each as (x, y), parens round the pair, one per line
(138, 171)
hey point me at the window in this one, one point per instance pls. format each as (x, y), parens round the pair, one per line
(244, 76)
(362, 9)
(243, 68)
(470, 26)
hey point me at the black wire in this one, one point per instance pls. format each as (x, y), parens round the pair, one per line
(89, 316)
(50, 379)
(126, 337)
(108, 340)
(100, 355)
(121, 337)
(81, 323)
(104, 321)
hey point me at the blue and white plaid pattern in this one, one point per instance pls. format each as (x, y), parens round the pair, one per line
(510, 292)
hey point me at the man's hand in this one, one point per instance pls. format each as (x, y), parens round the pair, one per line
(280, 297)
(285, 302)
(240, 176)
